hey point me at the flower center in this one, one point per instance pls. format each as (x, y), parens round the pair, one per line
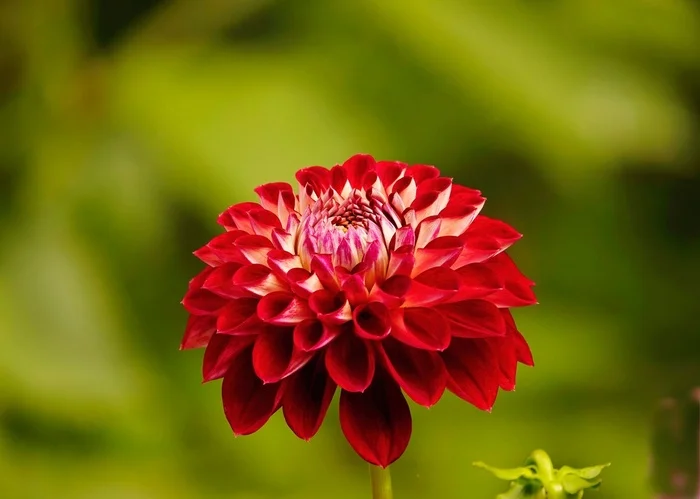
(347, 228)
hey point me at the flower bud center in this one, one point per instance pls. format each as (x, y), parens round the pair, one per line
(347, 228)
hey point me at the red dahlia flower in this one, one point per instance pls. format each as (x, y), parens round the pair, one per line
(378, 278)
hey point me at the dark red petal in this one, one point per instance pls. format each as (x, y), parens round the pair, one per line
(239, 317)
(208, 256)
(338, 178)
(433, 286)
(311, 335)
(330, 308)
(258, 279)
(248, 402)
(282, 262)
(233, 213)
(421, 173)
(456, 218)
(473, 373)
(220, 281)
(392, 291)
(355, 289)
(442, 251)
(322, 266)
(401, 262)
(307, 395)
(254, 248)
(474, 319)
(389, 171)
(270, 194)
(198, 331)
(421, 328)
(221, 350)
(420, 373)
(283, 309)
(350, 362)
(357, 167)
(476, 281)
(303, 283)
(317, 177)
(485, 238)
(517, 289)
(522, 349)
(405, 236)
(223, 246)
(372, 321)
(202, 302)
(274, 355)
(376, 423)
(264, 222)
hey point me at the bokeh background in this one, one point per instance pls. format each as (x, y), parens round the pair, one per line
(127, 126)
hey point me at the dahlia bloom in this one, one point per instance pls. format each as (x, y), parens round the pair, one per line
(377, 279)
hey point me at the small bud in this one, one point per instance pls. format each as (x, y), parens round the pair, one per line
(539, 480)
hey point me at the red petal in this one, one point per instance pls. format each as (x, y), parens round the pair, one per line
(405, 236)
(248, 402)
(357, 167)
(442, 251)
(474, 319)
(401, 262)
(472, 372)
(421, 328)
(517, 290)
(355, 289)
(392, 291)
(312, 335)
(282, 262)
(236, 214)
(432, 286)
(239, 317)
(522, 349)
(350, 362)
(338, 178)
(421, 173)
(221, 350)
(258, 279)
(223, 246)
(322, 266)
(317, 177)
(270, 195)
(307, 395)
(303, 282)
(376, 423)
(330, 308)
(274, 355)
(485, 238)
(198, 331)
(420, 373)
(220, 282)
(202, 302)
(254, 248)
(372, 321)
(476, 281)
(389, 171)
(455, 219)
(283, 309)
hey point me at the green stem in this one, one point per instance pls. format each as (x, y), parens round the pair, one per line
(381, 482)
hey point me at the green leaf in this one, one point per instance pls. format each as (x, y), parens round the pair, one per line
(587, 473)
(528, 472)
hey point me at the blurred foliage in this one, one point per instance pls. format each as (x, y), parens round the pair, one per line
(126, 127)
(675, 460)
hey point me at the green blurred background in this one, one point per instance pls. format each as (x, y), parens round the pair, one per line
(127, 126)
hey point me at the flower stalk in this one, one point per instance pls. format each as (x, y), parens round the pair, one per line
(380, 479)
